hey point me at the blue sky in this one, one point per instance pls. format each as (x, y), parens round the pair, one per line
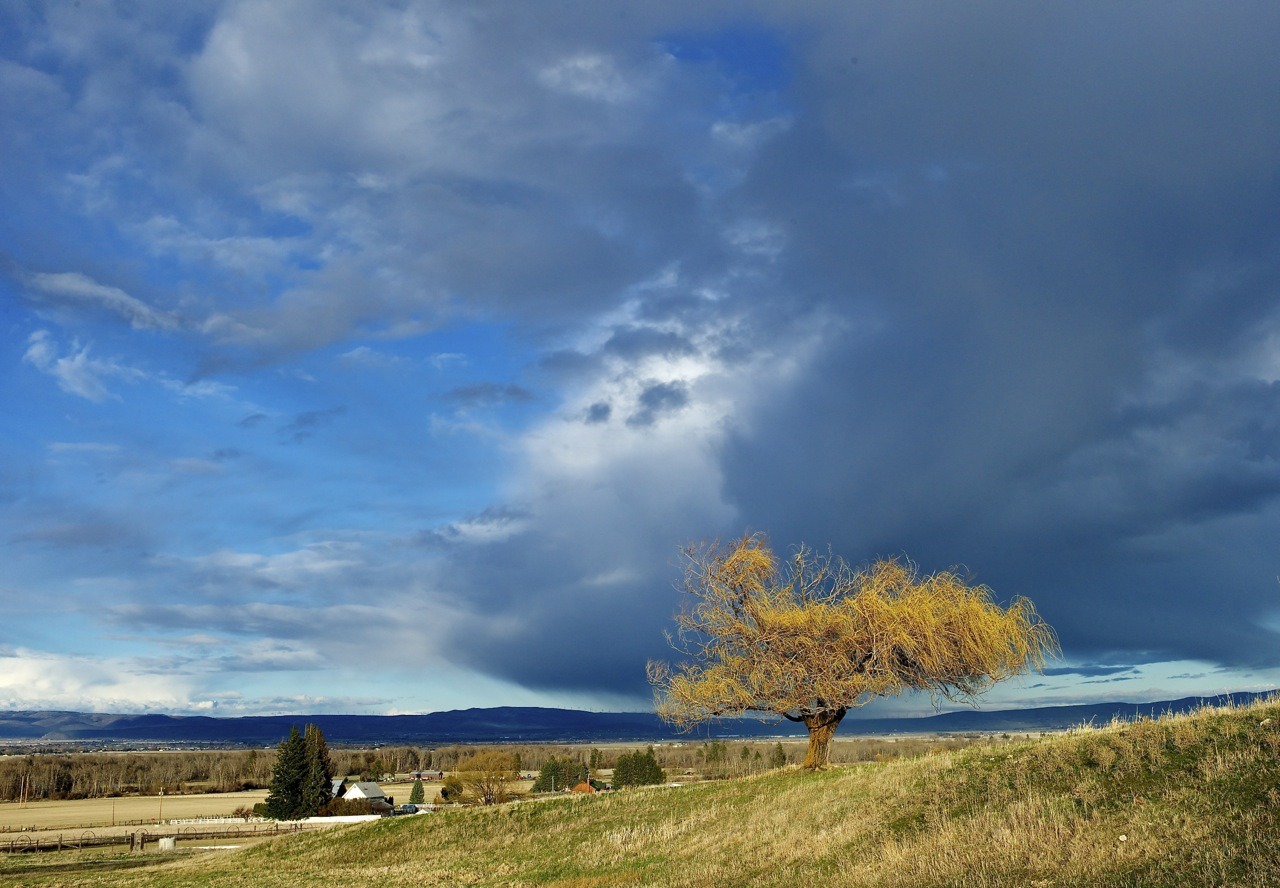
(381, 357)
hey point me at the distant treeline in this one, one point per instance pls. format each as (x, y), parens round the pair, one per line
(62, 775)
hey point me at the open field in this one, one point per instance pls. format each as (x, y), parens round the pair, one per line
(45, 816)
(1188, 800)
(97, 813)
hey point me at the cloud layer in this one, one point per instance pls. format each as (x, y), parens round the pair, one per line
(392, 357)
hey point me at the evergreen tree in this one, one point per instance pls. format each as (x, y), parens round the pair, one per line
(417, 795)
(624, 772)
(317, 787)
(284, 798)
(650, 771)
(638, 769)
(716, 757)
(777, 758)
(557, 775)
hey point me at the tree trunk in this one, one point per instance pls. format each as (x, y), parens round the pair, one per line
(822, 727)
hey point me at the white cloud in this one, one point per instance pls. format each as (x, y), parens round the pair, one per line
(204, 388)
(224, 328)
(73, 289)
(76, 373)
(589, 75)
(91, 447)
(194, 466)
(292, 568)
(31, 679)
(749, 135)
(79, 374)
(363, 356)
(243, 254)
(268, 655)
(442, 360)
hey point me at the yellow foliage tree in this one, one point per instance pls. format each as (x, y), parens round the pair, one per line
(488, 774)
(809, 638)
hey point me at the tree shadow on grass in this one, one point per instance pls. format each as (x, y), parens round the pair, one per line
(111, 864)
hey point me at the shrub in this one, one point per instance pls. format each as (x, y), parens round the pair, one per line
(346, 808)
(451, 790)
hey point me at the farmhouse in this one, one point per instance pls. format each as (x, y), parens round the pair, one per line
(365, 790)
(379, 802)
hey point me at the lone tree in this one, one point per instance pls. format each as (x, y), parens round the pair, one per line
(809, 638)
(488, 774)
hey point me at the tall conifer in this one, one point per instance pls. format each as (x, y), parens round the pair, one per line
(284, 799)
(317, 786)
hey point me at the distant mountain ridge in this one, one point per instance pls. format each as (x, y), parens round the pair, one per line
(527, 724)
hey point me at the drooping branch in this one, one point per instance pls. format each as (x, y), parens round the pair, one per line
(808, 638)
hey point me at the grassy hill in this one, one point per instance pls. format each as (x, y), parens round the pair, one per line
(1187, 800)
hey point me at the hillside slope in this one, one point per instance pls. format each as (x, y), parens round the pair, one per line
(1187, 800)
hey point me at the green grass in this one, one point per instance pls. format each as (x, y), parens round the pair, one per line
(1184, 800)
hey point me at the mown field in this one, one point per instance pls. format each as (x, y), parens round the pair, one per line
(1188, 800)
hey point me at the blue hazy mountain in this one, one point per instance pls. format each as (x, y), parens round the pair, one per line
(525, 724)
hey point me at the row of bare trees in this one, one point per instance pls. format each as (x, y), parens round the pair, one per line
(95, 775)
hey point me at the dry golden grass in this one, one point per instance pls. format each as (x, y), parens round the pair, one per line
(96, 813)
(1186, 800)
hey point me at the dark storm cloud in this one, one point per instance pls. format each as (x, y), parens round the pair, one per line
(574, 628)
(489, 394)
(83, 534)
(493, 521)
(657, 399)
(1090, 670)
(304, 424)
(275, 621)
(631, 343)
(599, 412)
(1026, 290)
(1055, 283)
